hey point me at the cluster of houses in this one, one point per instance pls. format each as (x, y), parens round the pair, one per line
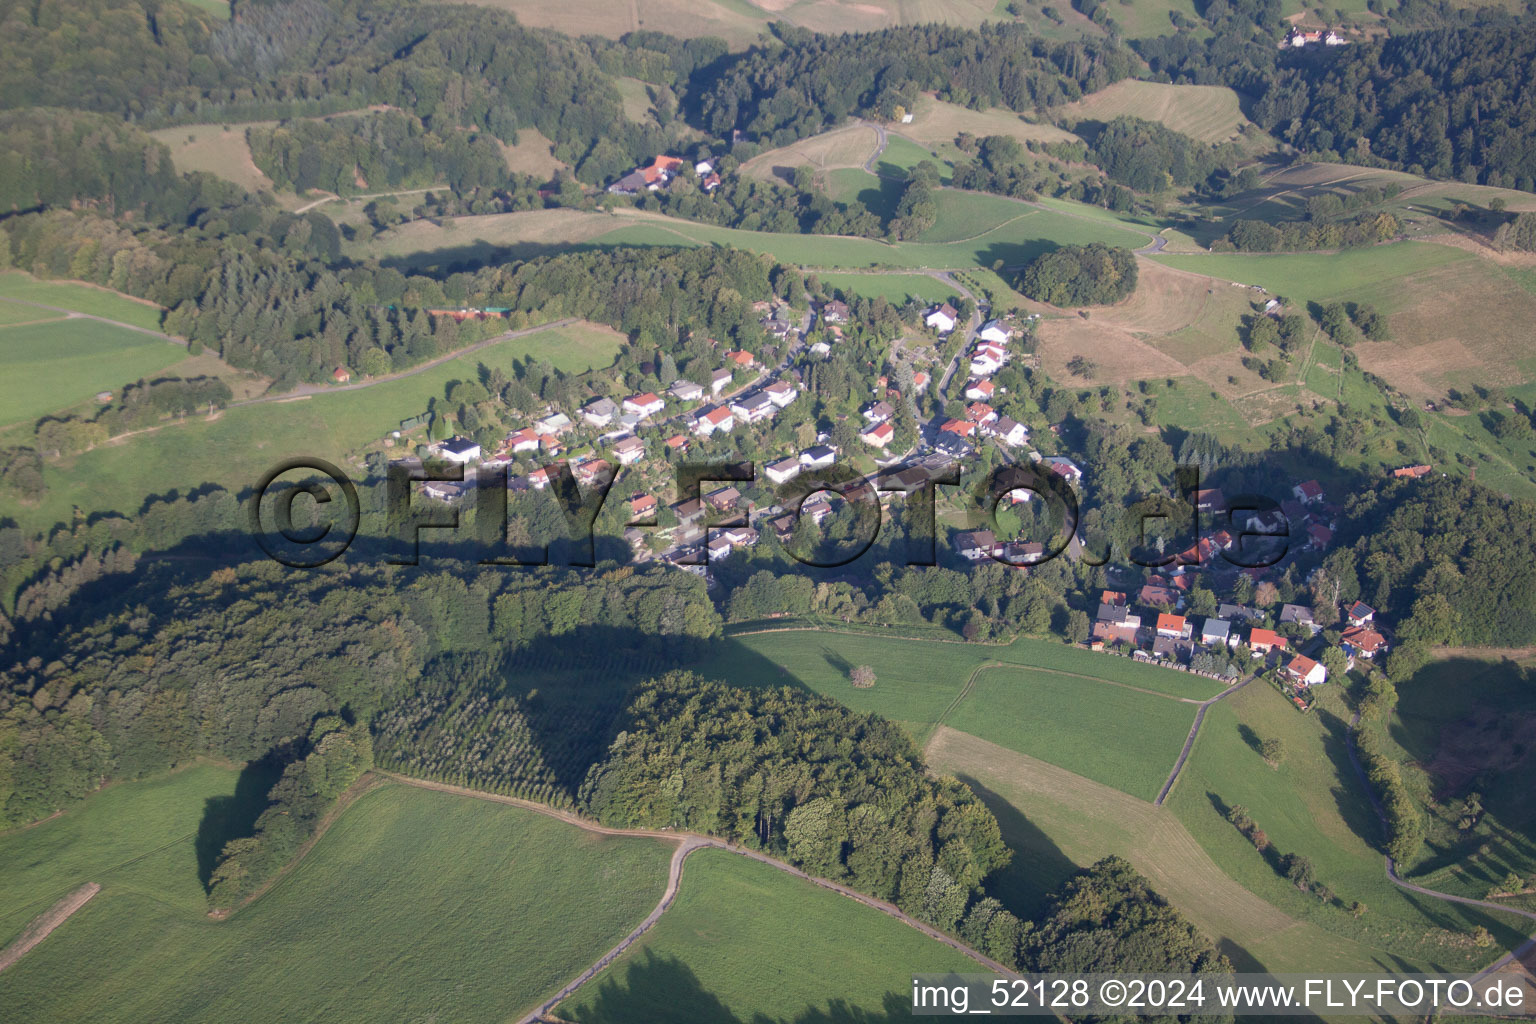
(661, 173)
(1168, 636)
(1298, 38)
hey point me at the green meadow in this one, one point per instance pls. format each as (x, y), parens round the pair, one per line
(236, 446)
(81, 298)
(747, 942)
(46, 367)
(415, 905)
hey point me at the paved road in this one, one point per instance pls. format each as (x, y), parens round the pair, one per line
(688, 842)
(1158, 242)
(1189, 741)
(881, 140)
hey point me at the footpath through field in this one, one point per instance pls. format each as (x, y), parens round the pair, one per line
(687, 843)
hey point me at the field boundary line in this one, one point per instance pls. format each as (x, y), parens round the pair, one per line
(1194, 731)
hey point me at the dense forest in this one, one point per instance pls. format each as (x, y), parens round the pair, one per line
(1457, 103)
(373, 152)
(1450, 562)
(806, 82)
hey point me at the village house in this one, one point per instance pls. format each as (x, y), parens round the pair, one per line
(600, 411)
(1297, 613)
(1011, 432)
(685, 391)
(1363, 642)
(644, 405)
(974, 545)
(1302, 669)
(340, 375)
(714, 419)
(678, 443)
(1210, 500)
(1063, 467)
(1155, 595)
(753, 408)
(1236, 612)
(1318, 536)
(1411, 472)
(981, 414)
(460, 450)
(742, 358)
(980, 390)
(987, 360)
(720, 380)
(629, 451)
(556, 423)
(959, 428)
(782, 471)
(525, 440)
(1172, 626)
(781, 393)
(1309, 492)
(835, 312)
(879, 435)
(1216, 632)
(1359, 613)
(816, 511)
(641, 506)
(879, 412)
(818, 456)
(538, 479)
(995, 331)
(942, 318)
(1262, 641)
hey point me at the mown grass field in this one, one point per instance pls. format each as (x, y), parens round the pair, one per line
(1313, 805)
(895, 288)
(82, 298)
(935, 124)
(1040, 698)
(1209, 113)
(239, 444)
(415, 905)
(1015, 241)
(1110, 734)
(45, 367)
(747, 942)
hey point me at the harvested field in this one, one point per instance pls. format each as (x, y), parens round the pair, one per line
(216, 149)
(533, 154)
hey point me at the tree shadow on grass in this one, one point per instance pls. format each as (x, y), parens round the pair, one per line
(657, 987)
(1038, 868)
(233, 816)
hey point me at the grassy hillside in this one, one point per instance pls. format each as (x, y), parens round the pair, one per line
(1312, 805)
(81, 298)
(744, 939)
(49, 365)
(236, 446)
(415, 905)
(1209, 113)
